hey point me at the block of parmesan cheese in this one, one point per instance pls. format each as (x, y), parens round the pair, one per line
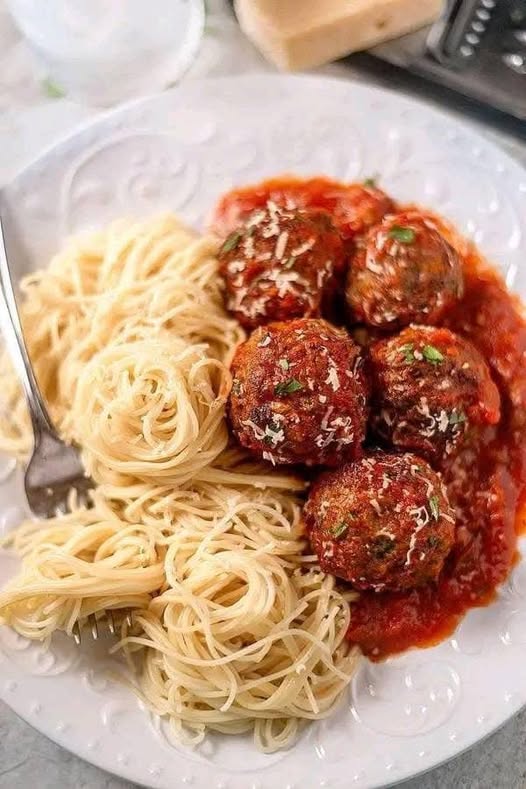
(299, 34)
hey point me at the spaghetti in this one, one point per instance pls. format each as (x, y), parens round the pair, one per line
(234, 628)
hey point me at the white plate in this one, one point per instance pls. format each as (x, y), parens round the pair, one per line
(181, 150)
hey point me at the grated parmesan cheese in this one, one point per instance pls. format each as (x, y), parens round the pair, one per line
(281, 245)
(333, 379)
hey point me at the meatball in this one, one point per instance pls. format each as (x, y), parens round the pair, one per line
(403, 272)
(354, 208)
(359, 207)
(299, 394)
(381, 522)
(429, 386)
(281, 264)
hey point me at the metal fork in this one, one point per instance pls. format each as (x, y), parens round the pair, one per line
(55, 468)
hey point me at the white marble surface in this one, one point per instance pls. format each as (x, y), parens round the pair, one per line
(30, 120)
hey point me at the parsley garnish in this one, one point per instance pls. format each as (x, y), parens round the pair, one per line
(457, 417)
(236, 386)
(432, 354)
(53, 90)
(339, 530)
(434, 506)
(408, 351)
(288, 387)
(369, 182)
(406, 235)
(272, 427)
(382, 546)
(284, 364)
(231, 242)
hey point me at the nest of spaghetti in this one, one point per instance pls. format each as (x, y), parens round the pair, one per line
(234, 628)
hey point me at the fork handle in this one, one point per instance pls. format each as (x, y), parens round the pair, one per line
(16, 347)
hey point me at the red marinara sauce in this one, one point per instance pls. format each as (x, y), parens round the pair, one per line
(353, 207)
(486, 483)
(486, 480)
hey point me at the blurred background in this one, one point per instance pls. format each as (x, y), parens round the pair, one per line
(63, 61)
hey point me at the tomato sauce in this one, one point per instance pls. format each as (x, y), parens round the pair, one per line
(486, 480)
(486, 485)
(351, 206)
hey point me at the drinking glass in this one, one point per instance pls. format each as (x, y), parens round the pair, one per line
(101, 52)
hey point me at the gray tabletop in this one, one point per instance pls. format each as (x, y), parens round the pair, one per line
(27, 759)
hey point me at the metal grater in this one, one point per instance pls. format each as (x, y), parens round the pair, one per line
(477, 47)
(458, 34)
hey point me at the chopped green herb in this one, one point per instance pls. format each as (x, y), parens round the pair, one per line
(236, 386)
(382, 546)
(271, 428)
(457, 418)
(406, 235)
(231, 242)
(434, 506)
(339, 530)
(289, 262)
(432, 354)
(369, 182)
(284, 364)
(408, 351)
(53, 90)
(434, 541)
(288, 387)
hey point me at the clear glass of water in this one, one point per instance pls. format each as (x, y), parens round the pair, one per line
(102, 52)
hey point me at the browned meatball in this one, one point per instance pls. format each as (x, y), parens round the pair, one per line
(382, 522)
(281, 264)
(429, 386)
(404, 272)
(299, 394)
(354, 208)
(358, 207)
